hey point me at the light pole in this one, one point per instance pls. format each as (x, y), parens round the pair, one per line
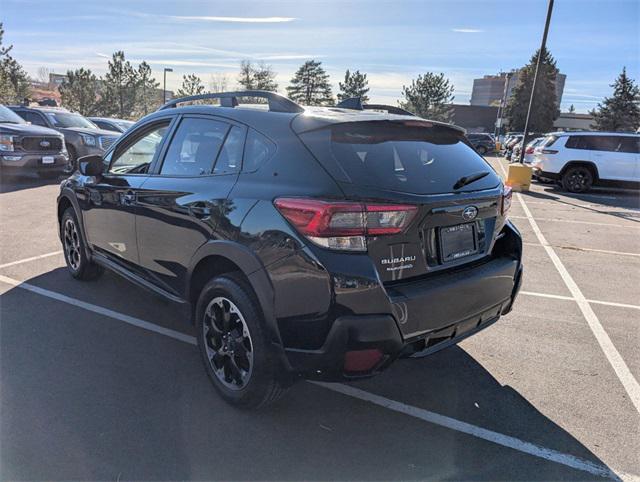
(498, 128)
(164, 86)
(535, 80)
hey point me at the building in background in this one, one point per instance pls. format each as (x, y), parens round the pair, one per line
(570, 121)
(489, 90)
(475, 118)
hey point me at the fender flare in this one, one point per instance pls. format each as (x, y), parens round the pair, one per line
(69, 195)
(252, 267)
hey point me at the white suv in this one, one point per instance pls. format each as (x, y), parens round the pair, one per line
(580, 159)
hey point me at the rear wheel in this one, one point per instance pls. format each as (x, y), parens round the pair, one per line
(78, 264)
(577, 179)
(234, 346)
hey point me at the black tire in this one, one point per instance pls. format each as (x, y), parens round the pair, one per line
(248, 378)
(577, 179)
(79, 266)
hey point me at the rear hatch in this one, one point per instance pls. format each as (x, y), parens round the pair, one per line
(415, 163)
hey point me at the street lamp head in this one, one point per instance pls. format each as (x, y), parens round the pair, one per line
(167, 69)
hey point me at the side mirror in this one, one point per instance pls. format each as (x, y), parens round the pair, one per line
(92, 165)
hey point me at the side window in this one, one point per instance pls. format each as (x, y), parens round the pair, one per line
(137, 157)
(603, 143)
(576, 142)
(194, 147)
(230, 157)
(35, 118)
(257, 151)
(630, 144)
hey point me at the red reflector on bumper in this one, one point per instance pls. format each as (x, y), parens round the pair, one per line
(361, 360)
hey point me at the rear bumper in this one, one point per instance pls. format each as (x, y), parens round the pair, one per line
(438, 308)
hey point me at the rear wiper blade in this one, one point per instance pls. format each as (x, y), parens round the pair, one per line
(464, 180)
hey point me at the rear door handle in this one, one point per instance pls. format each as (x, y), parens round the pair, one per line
(128, 198)
(200, 210)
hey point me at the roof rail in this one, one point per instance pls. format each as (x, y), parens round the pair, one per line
(355, 103)
(277, 102)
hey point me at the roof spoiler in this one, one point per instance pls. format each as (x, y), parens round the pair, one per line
(277, 102)
(355, 103)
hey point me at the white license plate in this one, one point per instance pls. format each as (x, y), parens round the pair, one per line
(48, 160)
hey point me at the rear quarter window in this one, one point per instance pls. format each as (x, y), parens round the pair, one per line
(412, 157)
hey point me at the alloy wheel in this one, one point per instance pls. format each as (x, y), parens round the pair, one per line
(72, 244)
(228, 343)
(578, 180)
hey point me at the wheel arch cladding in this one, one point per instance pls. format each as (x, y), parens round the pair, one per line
(588, 164)
(218, 257)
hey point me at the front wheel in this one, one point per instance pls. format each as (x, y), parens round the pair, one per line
(234, 345)
(78, 264)
(577, 179)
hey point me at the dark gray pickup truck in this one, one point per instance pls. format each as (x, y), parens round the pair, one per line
(28, 148)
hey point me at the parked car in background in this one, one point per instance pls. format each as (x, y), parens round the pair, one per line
(108, 124)
(28, 148)
(483, 143)
(579, 160)
(528, 153)
(81, 136)
(308, 241)
(510, 144)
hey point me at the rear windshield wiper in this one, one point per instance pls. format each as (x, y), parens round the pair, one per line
(464, 180)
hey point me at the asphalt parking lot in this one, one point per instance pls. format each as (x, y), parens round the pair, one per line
(101, 380)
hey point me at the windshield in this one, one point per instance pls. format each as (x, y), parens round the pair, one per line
(7, 116)
(419, 158)
(69, 119)
(123, 124)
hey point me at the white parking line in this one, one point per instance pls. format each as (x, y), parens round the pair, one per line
(479, 432)
(425, 415)
(100, 310)
(592, 250)
(33, 258)
(574, 221)
(570, 298)
(621, 369)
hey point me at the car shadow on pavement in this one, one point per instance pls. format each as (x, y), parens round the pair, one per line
(10, 182)
(623, 200)
(85, 396)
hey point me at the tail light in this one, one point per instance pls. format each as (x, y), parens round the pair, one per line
(549, 151)
(529, 150)
(344, 225)
(507, 196)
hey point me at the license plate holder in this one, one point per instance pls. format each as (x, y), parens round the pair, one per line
(48, 160)
(458, 242)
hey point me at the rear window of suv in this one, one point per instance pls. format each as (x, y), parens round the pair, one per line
(410, 156)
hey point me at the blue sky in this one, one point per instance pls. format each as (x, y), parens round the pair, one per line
(392, 41)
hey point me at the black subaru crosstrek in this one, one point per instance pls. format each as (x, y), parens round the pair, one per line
(307, 242)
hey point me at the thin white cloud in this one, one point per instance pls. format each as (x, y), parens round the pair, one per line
(467, 30)
(232, 19)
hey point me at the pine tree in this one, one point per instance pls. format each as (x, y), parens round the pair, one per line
(120, 84)
(544, 109)
(355, 85)
(572, 109)
(429, 96)
(14, 81)
(191, 85)
(147, 99)
(79, 91)
(258, 76)
(310, 85)
(621, 112)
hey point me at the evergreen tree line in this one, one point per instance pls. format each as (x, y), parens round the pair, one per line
(127, 91)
